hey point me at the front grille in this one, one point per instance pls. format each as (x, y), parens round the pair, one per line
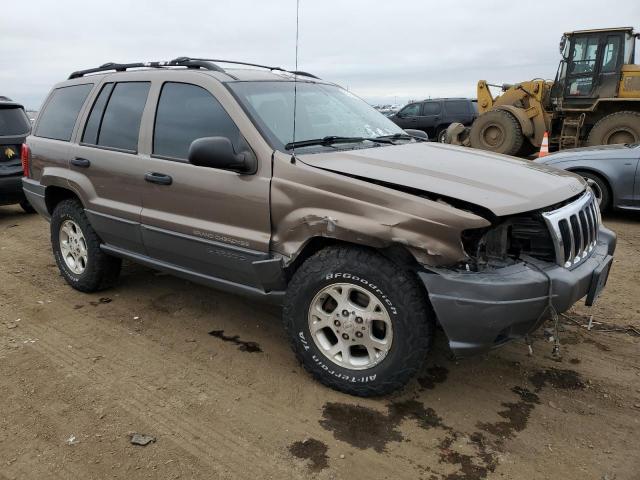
(574, 229)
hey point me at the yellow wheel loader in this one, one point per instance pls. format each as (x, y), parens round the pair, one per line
(594, 100)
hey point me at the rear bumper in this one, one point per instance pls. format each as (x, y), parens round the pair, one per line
(35, 195)
(11, 190)
(479, 311)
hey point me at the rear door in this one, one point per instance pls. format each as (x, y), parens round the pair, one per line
(105, 168)
(430, 118)
(207, 221)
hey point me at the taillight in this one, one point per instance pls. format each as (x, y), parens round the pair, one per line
(25, 154)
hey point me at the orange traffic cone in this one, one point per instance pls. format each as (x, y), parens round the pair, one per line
(544, 148)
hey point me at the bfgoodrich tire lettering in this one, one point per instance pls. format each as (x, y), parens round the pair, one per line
(403, 299)
(101, 270)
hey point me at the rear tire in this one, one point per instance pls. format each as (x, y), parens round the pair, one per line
(76, 248)
(367, 303)
(616, 128)
(497, 131)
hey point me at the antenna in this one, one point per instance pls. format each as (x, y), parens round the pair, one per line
(295, 84)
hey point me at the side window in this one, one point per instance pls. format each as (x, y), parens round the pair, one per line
(60, 115)
(431, 108)
(610, 55)
(120, 125)
(412, 110)
(457, 107)
(185, 113)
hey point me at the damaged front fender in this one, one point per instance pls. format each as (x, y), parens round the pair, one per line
(308, 202)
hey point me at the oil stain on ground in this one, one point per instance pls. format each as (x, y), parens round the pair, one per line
(557, 378)
(469, 467)
(312, 450)
(434, 375)
(243, 345)
(515, 414)
(364, 427)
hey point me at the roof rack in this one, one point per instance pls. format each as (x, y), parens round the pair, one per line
(204, 63)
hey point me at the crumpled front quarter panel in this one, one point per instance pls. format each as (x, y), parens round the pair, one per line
(308, 202)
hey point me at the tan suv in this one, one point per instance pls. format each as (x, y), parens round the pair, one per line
(366, 235)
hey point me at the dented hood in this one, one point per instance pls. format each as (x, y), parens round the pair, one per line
(504, 185)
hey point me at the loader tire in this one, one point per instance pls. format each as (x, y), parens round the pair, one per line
(497, 131)
(619, 127)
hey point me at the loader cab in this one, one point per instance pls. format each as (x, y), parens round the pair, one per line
(591, 65)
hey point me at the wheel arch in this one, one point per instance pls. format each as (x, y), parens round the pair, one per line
(55, 194)
(395, 252)
(599, 173)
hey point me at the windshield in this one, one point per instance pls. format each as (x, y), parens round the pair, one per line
(13, 121)
(321, 111)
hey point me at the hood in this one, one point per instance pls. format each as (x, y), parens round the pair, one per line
(594, 152)
(504, 185)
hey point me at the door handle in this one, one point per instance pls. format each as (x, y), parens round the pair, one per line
(158, 178)
(80, 162)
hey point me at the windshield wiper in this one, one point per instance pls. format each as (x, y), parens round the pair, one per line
(402, 136)
(333, 139)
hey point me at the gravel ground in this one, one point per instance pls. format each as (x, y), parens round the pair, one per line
(211, 378)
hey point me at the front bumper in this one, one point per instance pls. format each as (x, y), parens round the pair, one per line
(11, 189)
(482, 310)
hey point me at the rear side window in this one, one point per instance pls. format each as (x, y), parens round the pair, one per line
(13, 121)
(457, 107)
(120, 124)
(61, 112)
(187, 112)
(90, 134)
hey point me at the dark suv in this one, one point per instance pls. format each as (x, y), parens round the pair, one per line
(366, 235)
(14, 128)
(435, 115)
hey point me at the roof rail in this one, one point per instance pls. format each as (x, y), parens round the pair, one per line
(234, 62)
(204, 63)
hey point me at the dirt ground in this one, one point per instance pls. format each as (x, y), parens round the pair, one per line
(211, 377)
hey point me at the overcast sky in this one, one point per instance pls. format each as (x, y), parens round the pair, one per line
(384, 51)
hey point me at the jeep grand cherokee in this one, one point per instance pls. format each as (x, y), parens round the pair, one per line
(367, 236)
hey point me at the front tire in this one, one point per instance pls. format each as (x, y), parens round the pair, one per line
(497, 131)
(26, 206)
(357, 322)
(76, 248)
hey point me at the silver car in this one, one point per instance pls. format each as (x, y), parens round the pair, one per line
(611, 170)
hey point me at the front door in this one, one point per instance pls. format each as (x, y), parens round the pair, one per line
(408, 116)
(211, 222)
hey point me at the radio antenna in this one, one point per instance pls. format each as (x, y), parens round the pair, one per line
(295, 84)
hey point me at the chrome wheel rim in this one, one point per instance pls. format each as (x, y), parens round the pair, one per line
(73, 247)
(595, 188)
(350, 326)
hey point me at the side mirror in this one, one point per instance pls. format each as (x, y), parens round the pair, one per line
(398, 115)
(217, 152)
(416, 133)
